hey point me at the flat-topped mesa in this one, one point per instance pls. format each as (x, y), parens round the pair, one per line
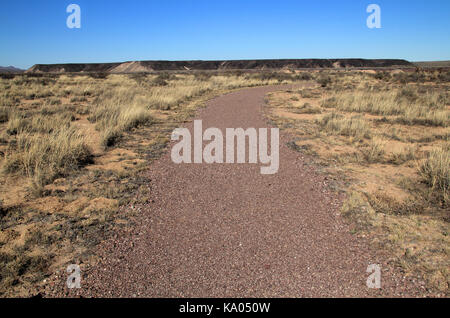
(150, 66)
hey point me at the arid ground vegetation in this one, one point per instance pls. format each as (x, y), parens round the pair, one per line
(72, 152)
(74, 149)
(383, 137)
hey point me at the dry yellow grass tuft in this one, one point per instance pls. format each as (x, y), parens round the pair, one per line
(435, 171)
(406, 105)
(44, 159)
(337, 124)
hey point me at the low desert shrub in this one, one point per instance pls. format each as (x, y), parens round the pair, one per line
(44, 159)
(337, 124)
(374, 151)
(435, 172)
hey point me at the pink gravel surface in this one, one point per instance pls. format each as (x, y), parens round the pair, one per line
(226, 230)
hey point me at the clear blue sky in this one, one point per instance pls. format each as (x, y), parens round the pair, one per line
(35, 31)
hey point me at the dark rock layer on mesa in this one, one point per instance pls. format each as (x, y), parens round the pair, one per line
(151, 66)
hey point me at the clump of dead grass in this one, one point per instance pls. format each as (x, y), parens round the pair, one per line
(44, 159)
(112, 120)
(407, 105)
(306, 108)
(375, 150)
(435, 172)
(338, 124)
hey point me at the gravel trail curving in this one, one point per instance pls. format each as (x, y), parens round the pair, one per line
(225, 230)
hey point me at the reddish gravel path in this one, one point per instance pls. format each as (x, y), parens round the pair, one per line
(228, 231)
